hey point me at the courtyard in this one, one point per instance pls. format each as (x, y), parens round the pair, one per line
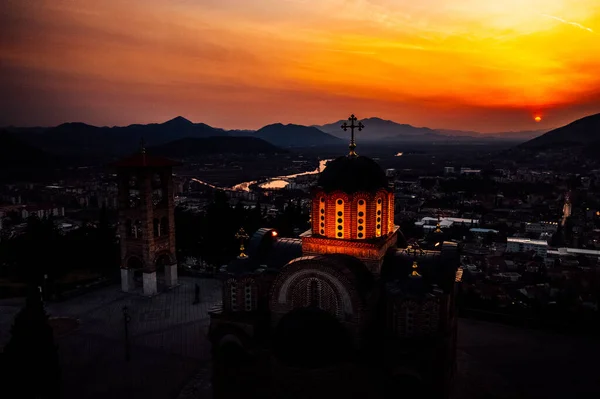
(167, 335)
(170, 353)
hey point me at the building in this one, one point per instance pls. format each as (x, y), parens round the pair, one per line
(146, 221)
(429, 223)
(470, 172)
(564, 253)
(317, 315)
(448, 170)
(541, 227)
(518, 244)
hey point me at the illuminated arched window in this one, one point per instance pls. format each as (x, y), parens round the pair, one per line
(339, 218)
(361, 212)
(390, 213)
(378, 216)
(321, 219)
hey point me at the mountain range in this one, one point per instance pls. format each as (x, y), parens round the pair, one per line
(88, 141)
(40, 151)
(293, 135)
(192, 147)
(377, 130)
(582, 132)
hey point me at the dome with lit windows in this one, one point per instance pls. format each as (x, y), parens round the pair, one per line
(353, 200)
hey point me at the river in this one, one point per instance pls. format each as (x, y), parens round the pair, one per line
(277, 182)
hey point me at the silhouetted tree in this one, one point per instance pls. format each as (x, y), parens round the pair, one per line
(39, 250)
(30, 359)
(107, 248)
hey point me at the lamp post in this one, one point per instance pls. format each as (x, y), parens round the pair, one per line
(126, 320)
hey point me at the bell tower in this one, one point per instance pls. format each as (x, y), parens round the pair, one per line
(146, 221)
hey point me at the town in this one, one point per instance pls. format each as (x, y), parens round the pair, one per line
(530, 235)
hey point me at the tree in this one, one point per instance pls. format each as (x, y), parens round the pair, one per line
(105, 245)
(39, 254)
(30, 359)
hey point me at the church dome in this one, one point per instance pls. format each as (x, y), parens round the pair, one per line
(351, 174)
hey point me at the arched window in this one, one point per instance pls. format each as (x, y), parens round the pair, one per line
(233, 295)
(378, 216)
(156, 228)
(321, 218)
(156, 181)
(390, 213)
(137, 229)
(339, 218)
(361, 212)
(164, 226)
(133, 192)
(248, 305)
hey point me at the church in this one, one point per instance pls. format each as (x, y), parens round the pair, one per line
(345, 309)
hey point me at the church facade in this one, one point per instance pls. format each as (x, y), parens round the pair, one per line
(346, 309)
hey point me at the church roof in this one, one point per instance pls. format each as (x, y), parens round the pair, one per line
(268, 249)
(352, 174)
(433, 268)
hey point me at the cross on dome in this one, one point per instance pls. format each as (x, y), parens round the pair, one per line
(352, 126)
(242, 236)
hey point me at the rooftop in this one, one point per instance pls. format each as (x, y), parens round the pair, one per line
(522, 240)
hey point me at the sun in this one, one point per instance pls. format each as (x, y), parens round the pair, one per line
(537, 118)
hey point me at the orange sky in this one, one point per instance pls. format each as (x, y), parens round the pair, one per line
(456, 64)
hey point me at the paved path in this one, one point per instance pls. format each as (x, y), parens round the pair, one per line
(167, 334)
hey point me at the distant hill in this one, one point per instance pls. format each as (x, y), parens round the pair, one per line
(191, 147)
(21, 161)
(81, 138)
(582, 132)
(377, 129)
(101, 143)
(523, 135)
(286, 136)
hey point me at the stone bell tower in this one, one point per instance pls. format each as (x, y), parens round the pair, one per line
(146, 221)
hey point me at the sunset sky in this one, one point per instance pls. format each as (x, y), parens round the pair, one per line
(457, 64)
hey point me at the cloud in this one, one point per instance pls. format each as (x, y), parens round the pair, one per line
(564, 21)
(352, 51)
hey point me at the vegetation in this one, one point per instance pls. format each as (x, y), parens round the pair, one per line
(210, 235)
(29, 363)
(43, 256)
